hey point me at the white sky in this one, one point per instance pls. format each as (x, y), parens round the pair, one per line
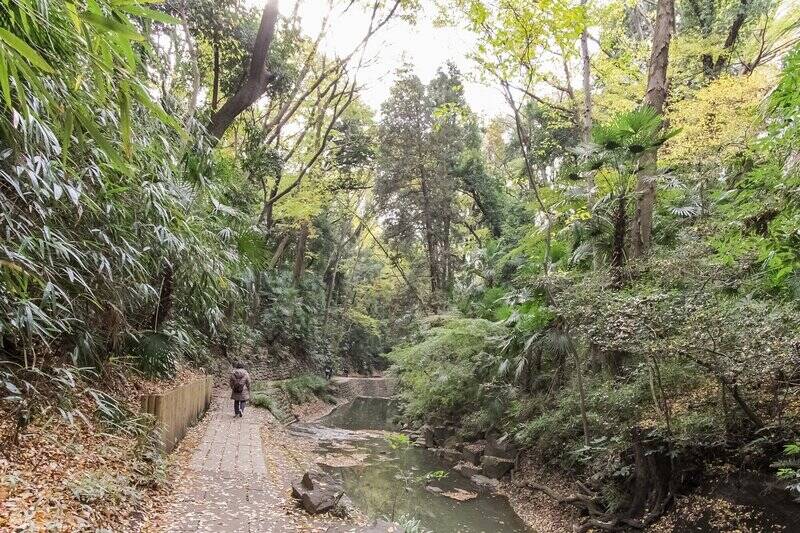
(424, 46)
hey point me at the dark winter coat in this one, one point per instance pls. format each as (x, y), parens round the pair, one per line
(245, 394)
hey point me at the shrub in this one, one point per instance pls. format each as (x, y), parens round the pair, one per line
(409, 524)
(154, 355)
(789, 468)
(265, 401)
(437, 375)
(305, 388)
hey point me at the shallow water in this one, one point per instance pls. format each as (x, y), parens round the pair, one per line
(388, 482)
(364, 412)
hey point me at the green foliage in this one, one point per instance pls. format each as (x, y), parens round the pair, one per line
(291, 314)
(411, 524)
(398, 441)
(265, 401)
(427, 155)
(306, 387)
(617, 146)
(760, 212)
(788, 469)
(108, 251)
(437, 373)
(154, 355)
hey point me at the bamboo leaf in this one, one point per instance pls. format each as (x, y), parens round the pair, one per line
(121, 3)
(23, 49)
(114, 26)
(72, 13)
(90, 127)
(5, 86)
(151, 14)
(66, 138)
(125, 118)
(143, 98)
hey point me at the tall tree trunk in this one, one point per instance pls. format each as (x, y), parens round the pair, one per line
(255, 304)
(269, 203)
(276, 257)
(215, 84)
(427, 219)
(490, 217)
(332, 269)
(731, 38)
(446, 259)
(581, 389)
(255, 83)
(430, 239)
(586, 123)
(196, 81)
(618, 245)
(165, 298)
(300, 254)
(655, 96)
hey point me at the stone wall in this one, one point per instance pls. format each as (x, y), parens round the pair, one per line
(380, 387)
(266, 364)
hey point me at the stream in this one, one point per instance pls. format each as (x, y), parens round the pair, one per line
(386, 481)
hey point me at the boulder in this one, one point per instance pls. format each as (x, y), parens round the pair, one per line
(314, 479)
(485, 483)
(318, 492)
(467, 469)
(448, 455)
(427, 434)
(473, 452)
(454, 443)
(319, 501)
(496, 467)
(441, 434)
(500, 447)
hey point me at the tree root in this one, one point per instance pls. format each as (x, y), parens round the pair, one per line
(584, 502)
(598, 518)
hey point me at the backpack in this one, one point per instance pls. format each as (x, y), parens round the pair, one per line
(238, 383)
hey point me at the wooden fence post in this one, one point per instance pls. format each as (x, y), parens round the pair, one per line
(178, 409)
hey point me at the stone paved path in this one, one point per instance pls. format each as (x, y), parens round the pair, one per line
(232, 486)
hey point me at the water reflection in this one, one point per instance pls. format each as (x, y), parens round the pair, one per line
(384, 481)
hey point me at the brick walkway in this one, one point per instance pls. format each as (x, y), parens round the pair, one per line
(232, 486)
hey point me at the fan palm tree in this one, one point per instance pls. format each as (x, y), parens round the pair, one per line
(614, 156)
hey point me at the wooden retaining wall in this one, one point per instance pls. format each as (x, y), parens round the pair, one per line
(178, 409)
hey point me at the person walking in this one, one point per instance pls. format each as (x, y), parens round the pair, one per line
(240, 388)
